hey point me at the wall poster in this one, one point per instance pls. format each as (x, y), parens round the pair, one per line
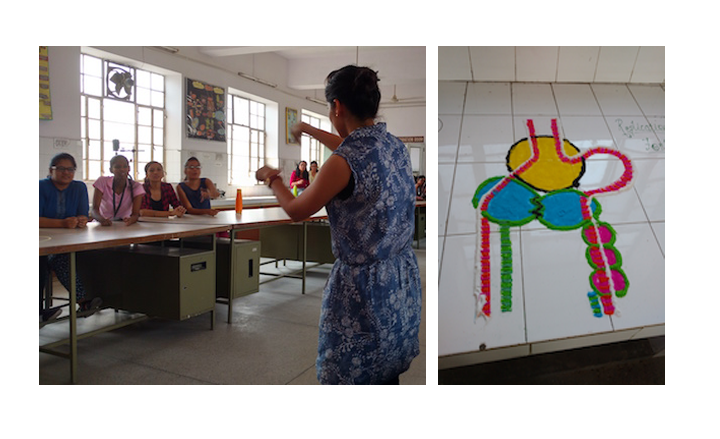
(45, 109)
(204, 110)
(291, 118)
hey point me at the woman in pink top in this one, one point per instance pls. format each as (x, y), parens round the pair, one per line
(299, 177)
(117, 197)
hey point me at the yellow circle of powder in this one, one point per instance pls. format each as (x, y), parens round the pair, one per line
(549, 172)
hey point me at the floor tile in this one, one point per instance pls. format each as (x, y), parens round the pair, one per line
(536, 63)
(492, 63)
(616, 99)
(488, 98)
(451, 97)
(448, 137)
(651, 99)
(454, 64)
(250, 350)
(556, 284)
(659, 230)
(533, 99)
(441, 249)
(644, 265)
(446, 174)
(577, 63)
(458, 329)
(586, 132)
(485, 139)
(102, 370)
(650, 187)
(575, 100)
(615, 63)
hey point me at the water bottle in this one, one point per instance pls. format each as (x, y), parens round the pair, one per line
(238, 201)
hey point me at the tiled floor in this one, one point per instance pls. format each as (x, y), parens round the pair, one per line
(272, 340)
(478, 123)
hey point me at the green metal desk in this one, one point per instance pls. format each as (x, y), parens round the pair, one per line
(250, 219)
(95, 236)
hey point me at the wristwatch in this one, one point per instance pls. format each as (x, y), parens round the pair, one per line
(269, 180)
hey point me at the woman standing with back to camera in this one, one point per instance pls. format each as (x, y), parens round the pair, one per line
(371, 306)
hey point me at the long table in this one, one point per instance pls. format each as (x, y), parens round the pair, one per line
(94, 237)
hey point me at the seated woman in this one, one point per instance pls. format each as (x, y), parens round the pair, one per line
(117, 197)
(420, 188)
(194, 192)
(63, 204)
(300, 179)
(159, 196)
(313, 170)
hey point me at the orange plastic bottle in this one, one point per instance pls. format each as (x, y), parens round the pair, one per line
(238, 201)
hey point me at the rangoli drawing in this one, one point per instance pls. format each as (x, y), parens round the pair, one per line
(544, 175)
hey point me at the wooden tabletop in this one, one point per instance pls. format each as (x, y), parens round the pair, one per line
(248, 219)
(95, 236)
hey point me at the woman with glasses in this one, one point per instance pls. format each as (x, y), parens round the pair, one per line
(63, 204)
(194, 192)
(370, 316)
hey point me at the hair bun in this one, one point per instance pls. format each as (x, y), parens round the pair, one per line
(357, 88)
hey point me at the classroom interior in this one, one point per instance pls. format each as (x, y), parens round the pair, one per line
(611, 97)
(272, 335)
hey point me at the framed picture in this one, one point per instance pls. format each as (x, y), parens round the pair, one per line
(291, 118)
(204, 110)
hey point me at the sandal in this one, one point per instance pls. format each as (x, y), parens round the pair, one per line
(50, 314)
(89, 307)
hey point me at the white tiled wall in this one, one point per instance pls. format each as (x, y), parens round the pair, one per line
(478, 123)
(589, 64)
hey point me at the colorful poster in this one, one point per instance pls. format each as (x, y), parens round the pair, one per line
(45, 110)
(205, 110)
(291, 118)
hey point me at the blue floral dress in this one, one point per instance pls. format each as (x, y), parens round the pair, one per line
(372, 300)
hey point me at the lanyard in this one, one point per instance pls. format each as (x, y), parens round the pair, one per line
(116, 209)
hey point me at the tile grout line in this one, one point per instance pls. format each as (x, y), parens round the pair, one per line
(520, 229)
(452, 184)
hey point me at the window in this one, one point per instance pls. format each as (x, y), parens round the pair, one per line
(310, 148)
(246, 140)
(123, 103)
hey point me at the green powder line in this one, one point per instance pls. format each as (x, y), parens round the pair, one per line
(506, 269)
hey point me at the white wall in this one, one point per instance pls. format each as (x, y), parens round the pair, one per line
(189, 62)
(62, 133)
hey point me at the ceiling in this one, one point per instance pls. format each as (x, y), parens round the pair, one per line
(622, 64)
(401, 69)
